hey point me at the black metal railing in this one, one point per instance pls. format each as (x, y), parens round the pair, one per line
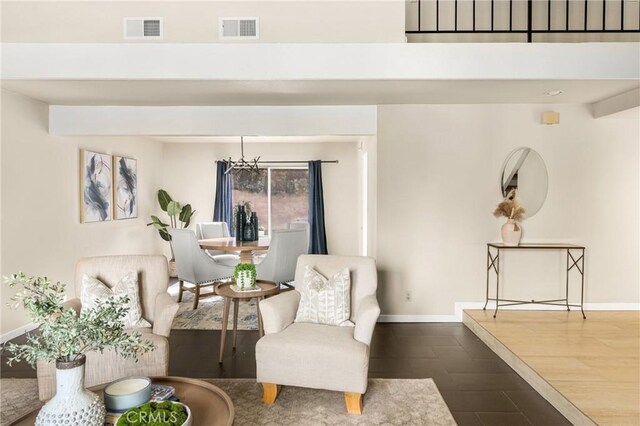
(539, 17)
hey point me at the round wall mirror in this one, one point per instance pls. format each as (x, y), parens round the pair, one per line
(525, 171)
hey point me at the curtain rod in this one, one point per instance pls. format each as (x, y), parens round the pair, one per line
(290, 161)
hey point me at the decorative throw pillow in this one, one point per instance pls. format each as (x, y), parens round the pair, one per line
(93, 290)
(325, 301)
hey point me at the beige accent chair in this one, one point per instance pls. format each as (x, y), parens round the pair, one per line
(314, 355)
(157, 307)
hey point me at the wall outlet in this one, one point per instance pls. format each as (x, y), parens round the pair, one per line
(407, 296)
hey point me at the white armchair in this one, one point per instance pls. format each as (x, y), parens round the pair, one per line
(314, 355)
(157, 307)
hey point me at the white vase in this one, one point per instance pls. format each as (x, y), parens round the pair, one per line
(511, 233)
(72, 403)
(246, 279)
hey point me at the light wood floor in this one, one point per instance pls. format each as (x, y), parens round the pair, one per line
(593, 363)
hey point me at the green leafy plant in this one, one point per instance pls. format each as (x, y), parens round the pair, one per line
(177, 214)
(250, 267)
(65, 335)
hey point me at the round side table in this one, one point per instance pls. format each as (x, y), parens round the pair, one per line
(266, 289)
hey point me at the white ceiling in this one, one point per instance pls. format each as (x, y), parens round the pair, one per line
(315, 92)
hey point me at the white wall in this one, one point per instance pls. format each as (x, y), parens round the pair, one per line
(197, 21)
(41, 229)
(438, 169)
(190, 177)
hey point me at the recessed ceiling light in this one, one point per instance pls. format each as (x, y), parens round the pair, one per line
(553, 92)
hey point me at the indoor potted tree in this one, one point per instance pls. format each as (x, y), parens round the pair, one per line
(65, 337)
(177, 213)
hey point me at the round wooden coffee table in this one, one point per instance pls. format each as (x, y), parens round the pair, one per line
(209, 404)
(267, 288)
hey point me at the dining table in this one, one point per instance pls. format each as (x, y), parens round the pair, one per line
(246, 249)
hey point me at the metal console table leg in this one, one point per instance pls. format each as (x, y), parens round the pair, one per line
(580, 269)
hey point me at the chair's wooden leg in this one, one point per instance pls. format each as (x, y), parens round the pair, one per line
(181, 290)
(354, 402)
(196, 297)
(270, 392)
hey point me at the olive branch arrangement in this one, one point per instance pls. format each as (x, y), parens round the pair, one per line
(65, 335)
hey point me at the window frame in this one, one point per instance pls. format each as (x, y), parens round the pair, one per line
(269, 201)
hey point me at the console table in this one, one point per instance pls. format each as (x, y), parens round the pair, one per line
(577, 261)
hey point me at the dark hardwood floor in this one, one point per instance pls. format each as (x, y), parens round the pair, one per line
(478, 387)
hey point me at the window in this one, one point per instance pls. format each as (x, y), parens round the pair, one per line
(277, 195)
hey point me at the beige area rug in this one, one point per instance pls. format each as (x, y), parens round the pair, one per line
(208, 316)
(387, 402)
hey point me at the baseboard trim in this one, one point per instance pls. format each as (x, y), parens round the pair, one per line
(17, 332)
(459, 308)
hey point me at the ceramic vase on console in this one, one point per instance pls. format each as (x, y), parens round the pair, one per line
(511, 233)
(72, 403)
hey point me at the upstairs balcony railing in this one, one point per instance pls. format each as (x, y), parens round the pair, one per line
(528, 17)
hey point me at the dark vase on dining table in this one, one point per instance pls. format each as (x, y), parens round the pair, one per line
(241, 218)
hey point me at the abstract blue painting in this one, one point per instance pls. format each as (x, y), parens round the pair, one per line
(95, 186)
(126, 183)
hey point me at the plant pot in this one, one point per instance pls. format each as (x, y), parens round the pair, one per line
(72, 403)
(511, 233)
(246, 279)
(173, 269)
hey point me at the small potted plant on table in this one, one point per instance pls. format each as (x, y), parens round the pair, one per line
(65, 337)
(245, 276)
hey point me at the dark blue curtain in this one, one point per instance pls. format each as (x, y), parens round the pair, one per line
(318, 236)
(222, 209)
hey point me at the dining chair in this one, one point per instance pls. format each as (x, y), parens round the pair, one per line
(279, 265)
(195, 266)
(206, 230)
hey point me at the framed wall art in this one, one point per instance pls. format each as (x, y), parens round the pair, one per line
(96, 192)
(125, 180)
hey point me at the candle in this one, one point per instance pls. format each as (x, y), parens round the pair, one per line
(126, 386)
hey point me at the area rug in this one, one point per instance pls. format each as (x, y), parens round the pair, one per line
(387, 402)
(208, 315)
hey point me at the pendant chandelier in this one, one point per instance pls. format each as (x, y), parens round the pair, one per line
(242, 164)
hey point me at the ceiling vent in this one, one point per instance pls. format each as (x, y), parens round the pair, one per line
(239, 28)
(143, 28)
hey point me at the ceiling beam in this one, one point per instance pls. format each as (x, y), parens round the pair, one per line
(213, 120)
(622, 105)
(366, 61)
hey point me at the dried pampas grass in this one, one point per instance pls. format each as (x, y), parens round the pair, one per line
(510, 207)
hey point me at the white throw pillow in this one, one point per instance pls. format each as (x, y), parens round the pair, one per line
(325, 301)
(93, 289)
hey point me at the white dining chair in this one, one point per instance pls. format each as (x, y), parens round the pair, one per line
(195, 266)
(279, 265)
(206, 230)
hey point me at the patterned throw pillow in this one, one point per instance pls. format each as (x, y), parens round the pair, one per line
(93, 289)
(325, 301)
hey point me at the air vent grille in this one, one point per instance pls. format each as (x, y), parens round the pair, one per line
(239, 28)
(152, 28)
(142, 28)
